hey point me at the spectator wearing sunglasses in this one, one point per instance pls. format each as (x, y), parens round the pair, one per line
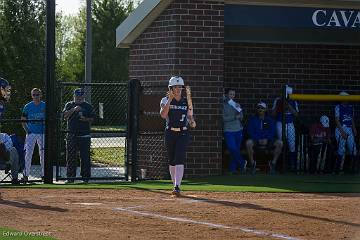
(261, 131)
(33, 116)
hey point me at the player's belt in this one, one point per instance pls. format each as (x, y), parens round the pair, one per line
(178, 129)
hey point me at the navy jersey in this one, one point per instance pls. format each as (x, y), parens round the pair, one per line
(345, 114)
(75, 126)
(177, 116)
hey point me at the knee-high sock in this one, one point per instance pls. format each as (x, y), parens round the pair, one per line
(172, 173)
(179, 172)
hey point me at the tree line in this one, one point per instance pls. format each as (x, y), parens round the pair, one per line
(22, 46)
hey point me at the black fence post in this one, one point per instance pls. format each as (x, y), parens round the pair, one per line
(283, 130)
(50, 121)
(133, 127)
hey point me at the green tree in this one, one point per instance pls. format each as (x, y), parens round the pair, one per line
(110, 64)
(70, 47)
(22, 49)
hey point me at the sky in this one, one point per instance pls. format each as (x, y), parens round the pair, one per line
(72, 6)
(68, 6)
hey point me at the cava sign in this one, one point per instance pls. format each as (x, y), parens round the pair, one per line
(336, 18)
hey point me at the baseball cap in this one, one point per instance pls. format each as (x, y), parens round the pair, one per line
(3, 82)
(262, 105)
(343, 93)
(79, 92)
(324, 120)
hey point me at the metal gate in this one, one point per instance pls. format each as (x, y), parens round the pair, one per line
(108, 132)
(152, 158)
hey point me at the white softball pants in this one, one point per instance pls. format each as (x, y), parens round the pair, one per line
(30, 141)
(289, 133)
(349, 142)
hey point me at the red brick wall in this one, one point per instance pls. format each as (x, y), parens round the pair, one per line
(187, 40)
(258, 70)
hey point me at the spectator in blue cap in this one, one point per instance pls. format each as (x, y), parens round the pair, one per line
(79, 115)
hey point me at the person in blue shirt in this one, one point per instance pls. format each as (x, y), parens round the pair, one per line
(79, 115)
(175, 110)
(345, 131)
(33, 116)
(261, 132)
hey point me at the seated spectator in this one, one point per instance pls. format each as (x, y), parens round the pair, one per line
(261, 132)
(9, 158)
(319, 143)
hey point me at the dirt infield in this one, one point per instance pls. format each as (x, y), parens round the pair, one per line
(144, 214)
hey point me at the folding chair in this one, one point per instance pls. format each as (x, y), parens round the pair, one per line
(5, 164)
(5, 159)
(262, 155)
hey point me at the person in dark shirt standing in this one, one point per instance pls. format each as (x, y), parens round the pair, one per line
(79, 115)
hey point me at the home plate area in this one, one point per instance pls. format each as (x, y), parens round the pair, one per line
(149, 214)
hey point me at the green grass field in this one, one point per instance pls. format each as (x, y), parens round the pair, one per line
(108, 128)
(247, 183)
(108, 156)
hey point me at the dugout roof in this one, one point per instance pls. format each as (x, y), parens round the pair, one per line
(149, 10)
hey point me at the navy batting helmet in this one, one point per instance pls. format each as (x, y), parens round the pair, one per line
(5, 89)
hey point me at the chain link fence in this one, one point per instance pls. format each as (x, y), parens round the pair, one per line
(105, 144)
(152, 158)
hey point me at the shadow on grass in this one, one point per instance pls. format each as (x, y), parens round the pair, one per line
(294, 183)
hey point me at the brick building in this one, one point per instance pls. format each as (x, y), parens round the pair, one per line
(312, 45)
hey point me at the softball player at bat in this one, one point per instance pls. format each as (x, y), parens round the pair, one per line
(345, 130)
(291, 111)
(178, 113)
(34, 110)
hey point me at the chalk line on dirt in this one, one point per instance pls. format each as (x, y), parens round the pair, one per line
(85, 204)
(177, 219)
